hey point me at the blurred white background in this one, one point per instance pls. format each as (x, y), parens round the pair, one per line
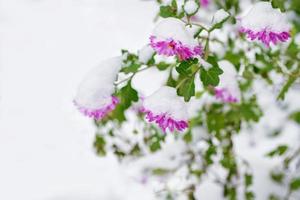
(47, 46)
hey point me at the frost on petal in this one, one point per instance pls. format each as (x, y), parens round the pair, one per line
(166, 109)
(228, 90)
(94, 95)
(171, 37)
(266, 24)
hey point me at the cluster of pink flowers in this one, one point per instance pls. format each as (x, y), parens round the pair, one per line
(265, 36)
(224, 95)
(164, 121)
(170, 47)
(99, 113)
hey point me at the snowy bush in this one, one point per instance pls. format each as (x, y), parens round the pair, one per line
(231, 68)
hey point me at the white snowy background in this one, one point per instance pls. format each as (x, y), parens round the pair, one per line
(46, 47)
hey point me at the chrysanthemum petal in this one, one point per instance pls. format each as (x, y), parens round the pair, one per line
(166, 109)
(171, 38)
(94, 95)
(266, 24)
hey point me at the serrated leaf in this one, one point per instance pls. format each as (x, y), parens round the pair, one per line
(167, 11)
(127, 95)
(185, 67)
(211, 76)
(187, 89)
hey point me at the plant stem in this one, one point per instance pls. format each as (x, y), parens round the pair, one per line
(131, 76)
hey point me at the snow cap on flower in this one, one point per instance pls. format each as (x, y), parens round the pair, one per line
(228, 90)
(266, 24)
(94, 95)
(171, 38)
(166, 109)
(190, 7)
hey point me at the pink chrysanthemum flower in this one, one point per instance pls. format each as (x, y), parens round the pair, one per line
(166, 109)
(171, 38)
(95, 94)
(266, 24)
(224, 95)
(204, 3)
(228, 90)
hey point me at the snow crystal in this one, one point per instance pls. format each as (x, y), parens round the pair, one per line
(165, 100)
(97, 87)
(264, 16)
(190, 7)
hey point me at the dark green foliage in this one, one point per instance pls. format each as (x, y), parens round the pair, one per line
(187, 88)
(295, 116)
(131, 63)
(99, 145)
(295, 184)
(278, 151)
(211, 76)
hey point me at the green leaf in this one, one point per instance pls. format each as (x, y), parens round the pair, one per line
(279, 4)
(248, 180)
(187, 89)
(160, 171)
(295, 116)
(154, 142)
(167, 11)
(209, 153)
(250, 111)
(278, 151)
(163, 66)
(171, 81)
(277, 177)
(185, 67)
(273, 197)
(99, 145)
(295, 5)
(188, 137)
(128, 95)
(211, 76)
(131, 63)
(249, 195)
(295, 184)
(286, 87)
